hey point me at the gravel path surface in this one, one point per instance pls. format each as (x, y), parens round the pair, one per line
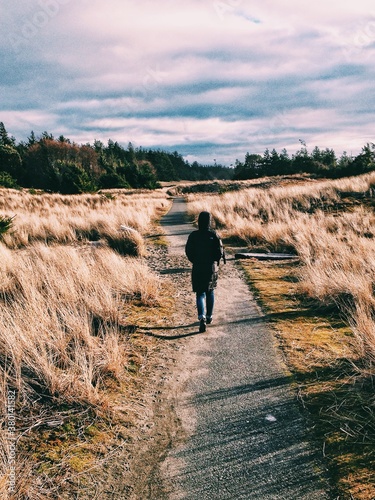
(244, 435)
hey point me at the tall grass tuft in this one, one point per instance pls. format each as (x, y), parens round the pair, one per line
(58, 219)
(61, 341)
(59, 334)
(328, 224)
(64, 294)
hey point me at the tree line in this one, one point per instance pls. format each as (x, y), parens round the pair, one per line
(319, 163)
(60, 165)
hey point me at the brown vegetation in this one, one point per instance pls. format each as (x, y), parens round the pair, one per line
(54, 218)
(65, 349)
(80, 375)
(329, 226)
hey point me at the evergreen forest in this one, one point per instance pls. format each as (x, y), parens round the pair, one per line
(60, 165)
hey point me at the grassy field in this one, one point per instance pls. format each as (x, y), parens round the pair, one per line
(54, 218)
(74, 281)
(322, 308)
(73, 376)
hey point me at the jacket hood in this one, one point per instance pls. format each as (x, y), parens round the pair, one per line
(204, 221)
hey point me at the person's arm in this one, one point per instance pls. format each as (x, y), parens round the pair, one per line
(222, 252)
(219, 251)
(189, 248)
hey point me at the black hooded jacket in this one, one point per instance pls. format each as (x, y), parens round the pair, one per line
(204, 249)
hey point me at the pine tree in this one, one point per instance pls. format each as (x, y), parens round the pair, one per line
(5, 140)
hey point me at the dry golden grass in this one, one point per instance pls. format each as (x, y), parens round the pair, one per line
(62, 347)
(318, 349)
(79, 376)
(54, 218)
(330, 226)
(60, 340)
(326, 223)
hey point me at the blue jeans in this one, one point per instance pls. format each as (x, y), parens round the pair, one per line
(209, 302)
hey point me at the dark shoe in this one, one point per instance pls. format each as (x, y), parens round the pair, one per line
(202, 326)
(209, 320)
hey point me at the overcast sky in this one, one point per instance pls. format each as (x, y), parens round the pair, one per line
(212, 79)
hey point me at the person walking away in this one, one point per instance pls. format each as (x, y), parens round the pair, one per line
(204, 249)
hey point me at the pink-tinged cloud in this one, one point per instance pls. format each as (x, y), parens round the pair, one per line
(215, 78)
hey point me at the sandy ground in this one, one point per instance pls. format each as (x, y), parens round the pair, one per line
(228, 425)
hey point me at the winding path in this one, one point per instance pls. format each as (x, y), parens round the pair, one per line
(245, 435)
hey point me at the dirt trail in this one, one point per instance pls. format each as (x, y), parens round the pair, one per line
(244, 435)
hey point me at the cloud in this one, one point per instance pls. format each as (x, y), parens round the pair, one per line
(28, 120)
(211, 79)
